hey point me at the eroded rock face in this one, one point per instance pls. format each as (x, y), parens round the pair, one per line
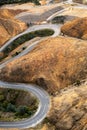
(9, 26)
(80, 1)
(76, 28)
(69, 109)
(53, 64)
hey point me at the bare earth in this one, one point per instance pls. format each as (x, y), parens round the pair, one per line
(9, 26)
(76, 28)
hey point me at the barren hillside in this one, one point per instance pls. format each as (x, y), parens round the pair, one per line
(81, 1)
(53, 64)
(76, 28)
(9, 26)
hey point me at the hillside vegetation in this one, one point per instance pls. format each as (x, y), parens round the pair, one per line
(12, 107)
(2, 2)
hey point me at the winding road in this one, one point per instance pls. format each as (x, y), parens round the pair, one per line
(54, 27)
(34, 28)
(44, 103)
(42, 95)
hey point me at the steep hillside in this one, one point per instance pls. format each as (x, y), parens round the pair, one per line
(80, 1)
(69, 110)
(53, 64)
(9, 26)
(76, 28)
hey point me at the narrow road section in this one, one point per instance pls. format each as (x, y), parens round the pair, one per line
(44, 103)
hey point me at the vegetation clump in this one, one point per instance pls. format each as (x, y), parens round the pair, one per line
(13, 108)
(2, 2)
(58, 19)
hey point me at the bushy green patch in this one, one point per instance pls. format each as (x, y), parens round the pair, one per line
(9, 104)
(2, 2)
(58, 19)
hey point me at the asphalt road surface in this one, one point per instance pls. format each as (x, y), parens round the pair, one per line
(44, 103)
(29, 18)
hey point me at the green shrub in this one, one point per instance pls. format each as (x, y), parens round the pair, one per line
(1, 97)
(11, 108)
(23, 48)
(10, 104)
(58, 19)
(5, 104)
(2, 2)
(22, 110)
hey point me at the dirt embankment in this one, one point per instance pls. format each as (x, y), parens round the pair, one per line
(76, 28)
(9, 26)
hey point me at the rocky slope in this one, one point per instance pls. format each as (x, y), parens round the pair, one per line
(9, 26)
(76, 28)
(80, 1)
(53, 64)
(69, 110)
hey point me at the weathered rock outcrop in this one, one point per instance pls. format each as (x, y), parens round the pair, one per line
(9, 26)
(76, 28)
(80, 1)
(69, 109)
(53, 64)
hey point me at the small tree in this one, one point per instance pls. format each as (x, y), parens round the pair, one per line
(21, 111)
(11, 108)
